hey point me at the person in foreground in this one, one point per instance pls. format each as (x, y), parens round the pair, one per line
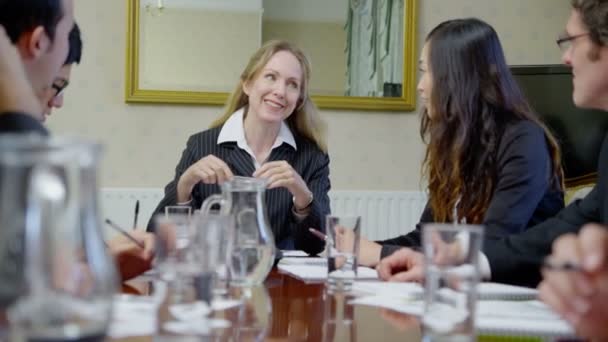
(580, 296)
(489, 159)
(26, 87)
(271, 130)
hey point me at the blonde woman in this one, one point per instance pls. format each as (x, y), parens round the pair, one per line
(270, 129)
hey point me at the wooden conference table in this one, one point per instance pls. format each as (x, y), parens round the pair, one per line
(292, 310)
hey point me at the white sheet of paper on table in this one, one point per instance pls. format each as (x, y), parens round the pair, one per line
(314, 270)
(485, 290)
(521, 318)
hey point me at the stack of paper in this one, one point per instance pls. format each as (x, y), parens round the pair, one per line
(314, 270)
(415, 290)
(504, 317)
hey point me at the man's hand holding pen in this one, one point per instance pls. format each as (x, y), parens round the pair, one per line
(580, 295)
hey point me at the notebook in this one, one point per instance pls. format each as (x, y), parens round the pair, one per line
(494, 317)
(314, 270)
(485, 290)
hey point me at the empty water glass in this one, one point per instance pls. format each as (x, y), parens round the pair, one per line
(175, 256)
(343, 235)
(215, 234)
(452, 274)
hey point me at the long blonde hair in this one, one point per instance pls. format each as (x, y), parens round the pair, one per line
(305, 120)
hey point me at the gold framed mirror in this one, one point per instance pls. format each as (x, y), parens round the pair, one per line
(363, 52)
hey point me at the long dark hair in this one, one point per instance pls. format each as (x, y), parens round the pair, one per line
(474, 96)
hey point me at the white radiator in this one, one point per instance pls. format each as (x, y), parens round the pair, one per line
(118, 205)
(385, 214)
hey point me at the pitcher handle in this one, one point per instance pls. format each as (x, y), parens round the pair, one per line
(210, 201)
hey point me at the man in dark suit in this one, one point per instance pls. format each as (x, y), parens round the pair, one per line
(582, 296)
(30, 31)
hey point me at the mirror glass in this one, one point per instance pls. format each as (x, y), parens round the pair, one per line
(192, 51)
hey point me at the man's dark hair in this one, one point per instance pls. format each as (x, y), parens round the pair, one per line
(75, 52)
(21, 16)
(594, 14)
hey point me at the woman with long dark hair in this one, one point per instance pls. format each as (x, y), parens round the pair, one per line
(489, 159)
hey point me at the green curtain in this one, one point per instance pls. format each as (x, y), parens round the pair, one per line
(374, 46)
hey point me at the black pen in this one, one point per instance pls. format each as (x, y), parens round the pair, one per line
(136, 214)
(125, 234)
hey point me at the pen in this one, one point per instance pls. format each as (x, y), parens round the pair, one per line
(564, 266)
(136, 214)
(124, 232)
(320, 235)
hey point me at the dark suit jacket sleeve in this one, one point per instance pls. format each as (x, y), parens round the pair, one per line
(170, 198)
(524, 175)
(11, 122)
(320, 185)
(514, 259)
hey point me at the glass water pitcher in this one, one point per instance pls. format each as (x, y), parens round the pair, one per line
(253, 246)
(58, 280)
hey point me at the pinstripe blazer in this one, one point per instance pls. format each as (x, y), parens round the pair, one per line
(308, 160)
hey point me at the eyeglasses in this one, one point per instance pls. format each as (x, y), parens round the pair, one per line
(565, 42)
(59, 86)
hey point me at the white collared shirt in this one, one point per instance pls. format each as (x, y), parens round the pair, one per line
(234, 131)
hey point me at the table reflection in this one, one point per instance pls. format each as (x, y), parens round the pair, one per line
(286, 309)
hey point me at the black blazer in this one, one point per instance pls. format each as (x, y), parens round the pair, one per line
(514, 259)
(20, 123)
(524, 194)
(308, 160)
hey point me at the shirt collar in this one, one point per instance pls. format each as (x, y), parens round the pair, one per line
(234, 131)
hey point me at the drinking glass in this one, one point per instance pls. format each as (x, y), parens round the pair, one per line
(215, 233)
(176, 256)
(452, 273)
(343, 235)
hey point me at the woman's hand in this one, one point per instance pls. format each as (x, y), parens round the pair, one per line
(401, 266)
(369, 251)
(281, 174)
(209, 170)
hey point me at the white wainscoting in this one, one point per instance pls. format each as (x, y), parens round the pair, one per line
(385, 214)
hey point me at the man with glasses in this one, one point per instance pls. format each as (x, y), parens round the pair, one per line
(63, 78)
(578, 290)
(38, 30)
(33, 47)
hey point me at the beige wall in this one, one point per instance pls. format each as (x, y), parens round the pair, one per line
(324, 44)
(210, 57)
(369, 150)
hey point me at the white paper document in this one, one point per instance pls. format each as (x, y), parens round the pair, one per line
(519, 318)
(414, 290)
(314, 270)
(297, 254)
(136, 316)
